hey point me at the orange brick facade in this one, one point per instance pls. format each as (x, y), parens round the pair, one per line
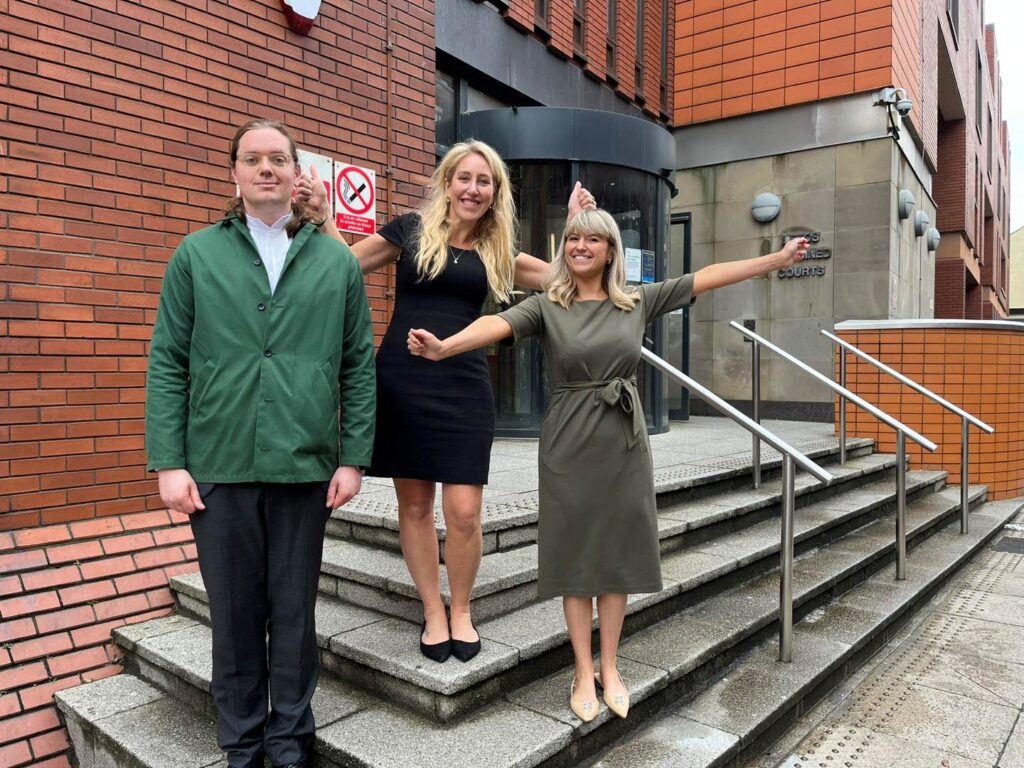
(734, 58)
(739, 57)
(965, 366)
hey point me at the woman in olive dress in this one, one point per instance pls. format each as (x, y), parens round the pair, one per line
(598, 532)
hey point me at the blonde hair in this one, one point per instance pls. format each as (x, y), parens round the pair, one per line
(561, 284)
(494, 235)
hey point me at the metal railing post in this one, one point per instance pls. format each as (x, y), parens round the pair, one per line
(901, 506)
(965, 473)
(842, 408)
(966, 418)
(755, 408)
(786, 566)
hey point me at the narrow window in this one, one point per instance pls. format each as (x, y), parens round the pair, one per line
(663, 87)
(541, 9)
(979, 89)
(638, 71)
(579, 17)
(609, 51)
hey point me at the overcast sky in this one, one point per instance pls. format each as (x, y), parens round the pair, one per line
(1008, 16)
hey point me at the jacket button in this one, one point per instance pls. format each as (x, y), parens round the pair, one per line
(257, 262)
(261, 306)
(268, 353)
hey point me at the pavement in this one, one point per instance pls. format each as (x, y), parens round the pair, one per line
(946, 692)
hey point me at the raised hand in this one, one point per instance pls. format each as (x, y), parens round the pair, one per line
(793, 251)
(425, 344)
(310, 190)
(580, 199)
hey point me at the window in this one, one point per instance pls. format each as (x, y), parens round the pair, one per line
(541, 9)
(638, 70)
(445, 111)
(989, 146)
(979, 90)
(999, 191)
(579, 18)
(609, 51)
(663, 88)
(953, 14)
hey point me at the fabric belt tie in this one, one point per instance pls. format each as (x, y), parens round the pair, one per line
(617, 392)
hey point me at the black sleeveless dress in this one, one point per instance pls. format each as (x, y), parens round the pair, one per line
(435, 420)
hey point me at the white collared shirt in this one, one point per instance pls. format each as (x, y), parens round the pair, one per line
(272, 243)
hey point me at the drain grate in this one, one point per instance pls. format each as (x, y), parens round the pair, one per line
(1013, 544)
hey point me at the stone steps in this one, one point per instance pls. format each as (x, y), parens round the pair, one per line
(378, 579)
(733, 720)
(510, 522)
(381, 652)
(127, 721)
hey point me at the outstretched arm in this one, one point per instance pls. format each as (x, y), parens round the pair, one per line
(720, 275)
(481, 332)
(531, 272)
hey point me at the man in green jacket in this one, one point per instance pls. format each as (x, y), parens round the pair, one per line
(260, 405)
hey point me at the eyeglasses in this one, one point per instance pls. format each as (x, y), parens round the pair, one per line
(278, 161)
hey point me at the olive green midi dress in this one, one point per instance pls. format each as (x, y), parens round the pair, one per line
(598, 528)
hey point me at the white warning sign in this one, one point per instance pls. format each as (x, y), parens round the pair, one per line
(355, 199)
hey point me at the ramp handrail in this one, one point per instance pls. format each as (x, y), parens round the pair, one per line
(790, 458)
(902, 432)
(965, 417)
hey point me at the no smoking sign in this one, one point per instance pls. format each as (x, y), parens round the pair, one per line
(355, 196)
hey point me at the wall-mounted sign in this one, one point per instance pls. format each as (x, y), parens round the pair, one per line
(647, 265)
(634, 265)
(355, 192)
(807, 267)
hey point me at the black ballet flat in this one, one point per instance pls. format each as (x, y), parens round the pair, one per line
(464, 651)
(438, 652)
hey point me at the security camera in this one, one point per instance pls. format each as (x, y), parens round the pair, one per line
(903, 106)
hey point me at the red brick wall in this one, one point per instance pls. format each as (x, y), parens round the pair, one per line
(949, 190)
(950, 288)
(63, 589)
(114, 131)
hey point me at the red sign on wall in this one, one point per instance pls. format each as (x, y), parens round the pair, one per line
(355, 196)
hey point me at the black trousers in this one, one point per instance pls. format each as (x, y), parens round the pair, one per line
(260, 547)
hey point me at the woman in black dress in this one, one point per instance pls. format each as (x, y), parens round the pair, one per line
(435, 423)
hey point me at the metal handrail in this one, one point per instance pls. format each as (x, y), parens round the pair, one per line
(902, 432)
(965, 417)
(739, 417)
(879, 414)
(790, 458)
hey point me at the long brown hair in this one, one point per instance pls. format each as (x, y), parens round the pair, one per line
(301, 214)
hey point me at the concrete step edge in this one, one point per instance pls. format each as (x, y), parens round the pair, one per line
(361, 645)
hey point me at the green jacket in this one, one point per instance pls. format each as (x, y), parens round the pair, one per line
(248, 387)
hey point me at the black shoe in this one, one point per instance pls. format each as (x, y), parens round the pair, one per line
(438, 652)
(464, 651)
